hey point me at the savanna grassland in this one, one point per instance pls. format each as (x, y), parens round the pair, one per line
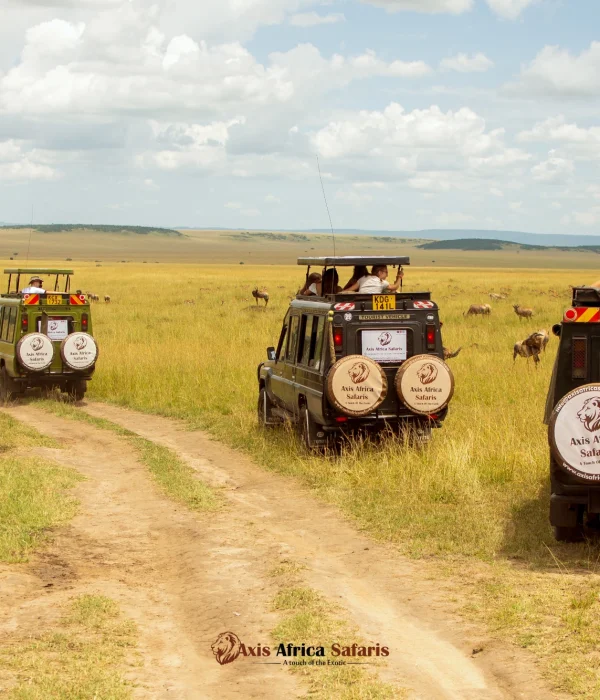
(473, 503)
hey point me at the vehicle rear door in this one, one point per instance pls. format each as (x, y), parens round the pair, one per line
(308, 381)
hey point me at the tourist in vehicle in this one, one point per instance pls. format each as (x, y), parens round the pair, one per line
(327, 285)
(359, 272)
(313, 278)
(36, 286)
(376, 282)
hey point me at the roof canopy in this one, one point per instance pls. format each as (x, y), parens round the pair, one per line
(37, 271)
(352, 260)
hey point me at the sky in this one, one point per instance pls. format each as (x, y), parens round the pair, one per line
(420, 114)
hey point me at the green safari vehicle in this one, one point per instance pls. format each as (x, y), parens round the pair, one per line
(45, 339)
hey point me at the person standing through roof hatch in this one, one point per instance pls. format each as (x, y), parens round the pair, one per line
(36, 286)
(376, 282)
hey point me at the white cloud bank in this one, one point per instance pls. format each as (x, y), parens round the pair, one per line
(462, 63)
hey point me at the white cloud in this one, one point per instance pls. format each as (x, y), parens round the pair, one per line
(19, 164)
(453, 219)
(553, 170)
(272, 199)
(251, 212)
(581, 143)
(556, 72)
(588, 218)
(455, 7)
(510, 9)
(233, 205)
(516, 206)
(313, 19)
(496, 192)
(477, 63)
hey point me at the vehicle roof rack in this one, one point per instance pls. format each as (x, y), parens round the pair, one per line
(352, 260)
(37, 271)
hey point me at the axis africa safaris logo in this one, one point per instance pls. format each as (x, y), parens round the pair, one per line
(428, 373)
(385, 339)
(589, 414)
(359, 372)
(80, 342)
(228, 647)
(37, 344)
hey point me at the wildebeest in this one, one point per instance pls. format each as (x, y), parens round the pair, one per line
(106, 299)
(262, 294)
(448, 354)
(478, 310)
(522, 312)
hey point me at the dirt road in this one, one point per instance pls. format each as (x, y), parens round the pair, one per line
(184, 578)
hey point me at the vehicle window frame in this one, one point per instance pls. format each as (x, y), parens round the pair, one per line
(283, 336)
(301, 343)
(2, 308)
(292, 342)
(11, 325)
(315, 354)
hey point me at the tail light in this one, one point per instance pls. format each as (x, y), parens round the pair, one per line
(341, 419)
(338, 338)
(84, 322)
(579, 358)
(430, 337)
(24, 323)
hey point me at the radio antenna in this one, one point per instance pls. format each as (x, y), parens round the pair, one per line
(30, 234)
(326, 205)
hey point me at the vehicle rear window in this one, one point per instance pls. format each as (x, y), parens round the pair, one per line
(293, 338)
(10, 326)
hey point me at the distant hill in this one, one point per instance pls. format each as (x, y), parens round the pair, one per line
(99, 228)
(478, 244)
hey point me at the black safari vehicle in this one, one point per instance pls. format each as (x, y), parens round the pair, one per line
(348, 362)
(45, 338)
(573, 418)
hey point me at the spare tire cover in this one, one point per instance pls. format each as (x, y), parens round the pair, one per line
(79, 351)
(356, 385)
(35, 352)
(425, 384)
(574, 432)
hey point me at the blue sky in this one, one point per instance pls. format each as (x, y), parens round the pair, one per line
(424, 113)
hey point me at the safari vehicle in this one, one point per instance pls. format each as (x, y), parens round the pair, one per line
(356, 362)
(45, 339)
(573, 419)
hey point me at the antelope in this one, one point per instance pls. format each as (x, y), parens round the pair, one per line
(532, 346)
(189, 301)
(497, 297)
(263, 294)
(106, 299)
(478, 310)
(521, 312)
(448, 354)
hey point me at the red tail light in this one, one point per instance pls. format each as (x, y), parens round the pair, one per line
(84, 322)
(24, 323)
(430, 337)
(338, 337)
(341, 419)
(579, 358)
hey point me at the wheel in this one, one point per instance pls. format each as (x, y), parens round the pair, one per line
(312, 437)
(264, 406)
(77, 389)
(8, 388)
(567, 534)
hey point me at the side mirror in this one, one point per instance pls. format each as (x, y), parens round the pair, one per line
(556, 329)
(271, 354)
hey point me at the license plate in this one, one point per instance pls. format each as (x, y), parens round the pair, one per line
(384, 302)
(53, 300)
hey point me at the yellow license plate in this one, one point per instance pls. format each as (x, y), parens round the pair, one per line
(54, 300)
(384, 302)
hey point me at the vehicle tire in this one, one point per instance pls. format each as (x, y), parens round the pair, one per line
(76, 389)
(568, 534)
(308, 429)
(8, 392)
(264, 406)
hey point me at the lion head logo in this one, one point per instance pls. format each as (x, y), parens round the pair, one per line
(385, 339)
(359, 372)
(80, 342)
(226, 647)
(37, 344)
(589, 414)
(428, 373)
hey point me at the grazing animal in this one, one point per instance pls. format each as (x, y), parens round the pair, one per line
(106, 299)
(478, 310)
(262, 294)
(522, 312)
(497, 297)
(189, 301)
(448, 354)
(532, 346)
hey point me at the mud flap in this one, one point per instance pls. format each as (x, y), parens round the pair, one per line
(562, 512)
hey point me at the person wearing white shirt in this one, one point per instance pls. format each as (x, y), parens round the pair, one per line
(376, 282)
(35, 286)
